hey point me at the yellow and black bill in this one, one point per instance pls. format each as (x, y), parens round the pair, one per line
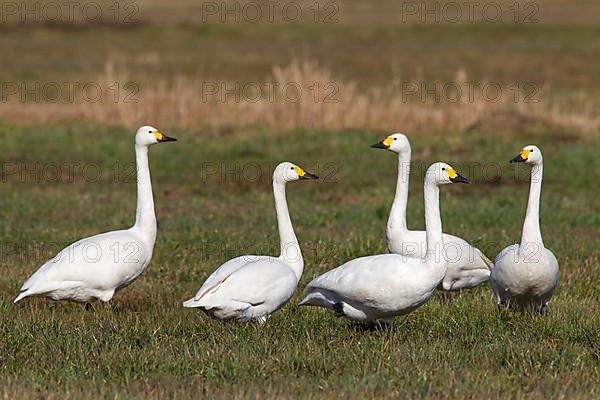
(160, 137)
(302, 174)
(522, 157)
(455, 177)
(384, 144)
(308, 175)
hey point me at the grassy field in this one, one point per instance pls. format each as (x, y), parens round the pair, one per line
(67, 181)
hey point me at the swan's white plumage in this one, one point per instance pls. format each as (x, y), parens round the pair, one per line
(97, 266)
(374, 287)
(246, 288)
(527, 278)
(383, 286)
(527, 273)
(467, 266)
(87, 269)
(253, 287)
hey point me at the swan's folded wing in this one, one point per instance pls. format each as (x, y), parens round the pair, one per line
(485, 260)
(264, 281)
(509, 249)
(38, 274)
(95, 253)
(51, 266)
(223, 272)
(359, 279)
(470, 256)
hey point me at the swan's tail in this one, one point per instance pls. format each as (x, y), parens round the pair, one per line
(317, 299)
(192, 303)
(21, 296)
(486, 260)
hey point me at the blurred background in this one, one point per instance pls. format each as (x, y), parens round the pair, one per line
(419, 66)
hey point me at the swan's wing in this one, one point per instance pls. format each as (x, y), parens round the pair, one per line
(223, 272)
(459, 252)
(484, 258)
(94, 259)
(510, 249)
(368, 280)
(265, 282)
(468, 267)
(462, 252)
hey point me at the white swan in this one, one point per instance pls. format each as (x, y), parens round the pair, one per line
(97, 266)
(527, 273)
(254, 287)
(467, 265)
(383, 286)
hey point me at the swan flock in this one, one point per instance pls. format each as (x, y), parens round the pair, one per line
(367, 289)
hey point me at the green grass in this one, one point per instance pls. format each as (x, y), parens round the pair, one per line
(148, 346)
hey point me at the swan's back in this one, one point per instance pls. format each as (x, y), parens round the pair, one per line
(395, 279)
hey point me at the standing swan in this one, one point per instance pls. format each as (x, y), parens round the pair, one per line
(254, 287)
(467, 265)
(527, 273)
(383, 286)
(97, 266)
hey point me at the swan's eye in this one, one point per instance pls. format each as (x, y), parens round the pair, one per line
(443, 169)
(149, 131)
(531, 151)
(395, 138)
(292, 168)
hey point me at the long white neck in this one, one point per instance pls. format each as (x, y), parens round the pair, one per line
(531, 228)
(145, 219)
(433, 225)
(290, 249)
(396, 224)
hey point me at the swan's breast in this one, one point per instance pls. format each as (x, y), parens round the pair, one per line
(522, 272)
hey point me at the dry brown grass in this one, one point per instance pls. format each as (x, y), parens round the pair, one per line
(305, 95)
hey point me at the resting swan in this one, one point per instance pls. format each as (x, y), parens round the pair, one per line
(252, 287)
(527, 273)
(467, 265)
(97, 266)
(383, 286)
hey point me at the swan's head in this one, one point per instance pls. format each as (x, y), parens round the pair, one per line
(396, 142)
(529, 155)
(287, 172)
(441, 174)
(149, 135)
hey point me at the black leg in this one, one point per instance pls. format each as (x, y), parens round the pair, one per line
(501, 305)
(338, 309)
